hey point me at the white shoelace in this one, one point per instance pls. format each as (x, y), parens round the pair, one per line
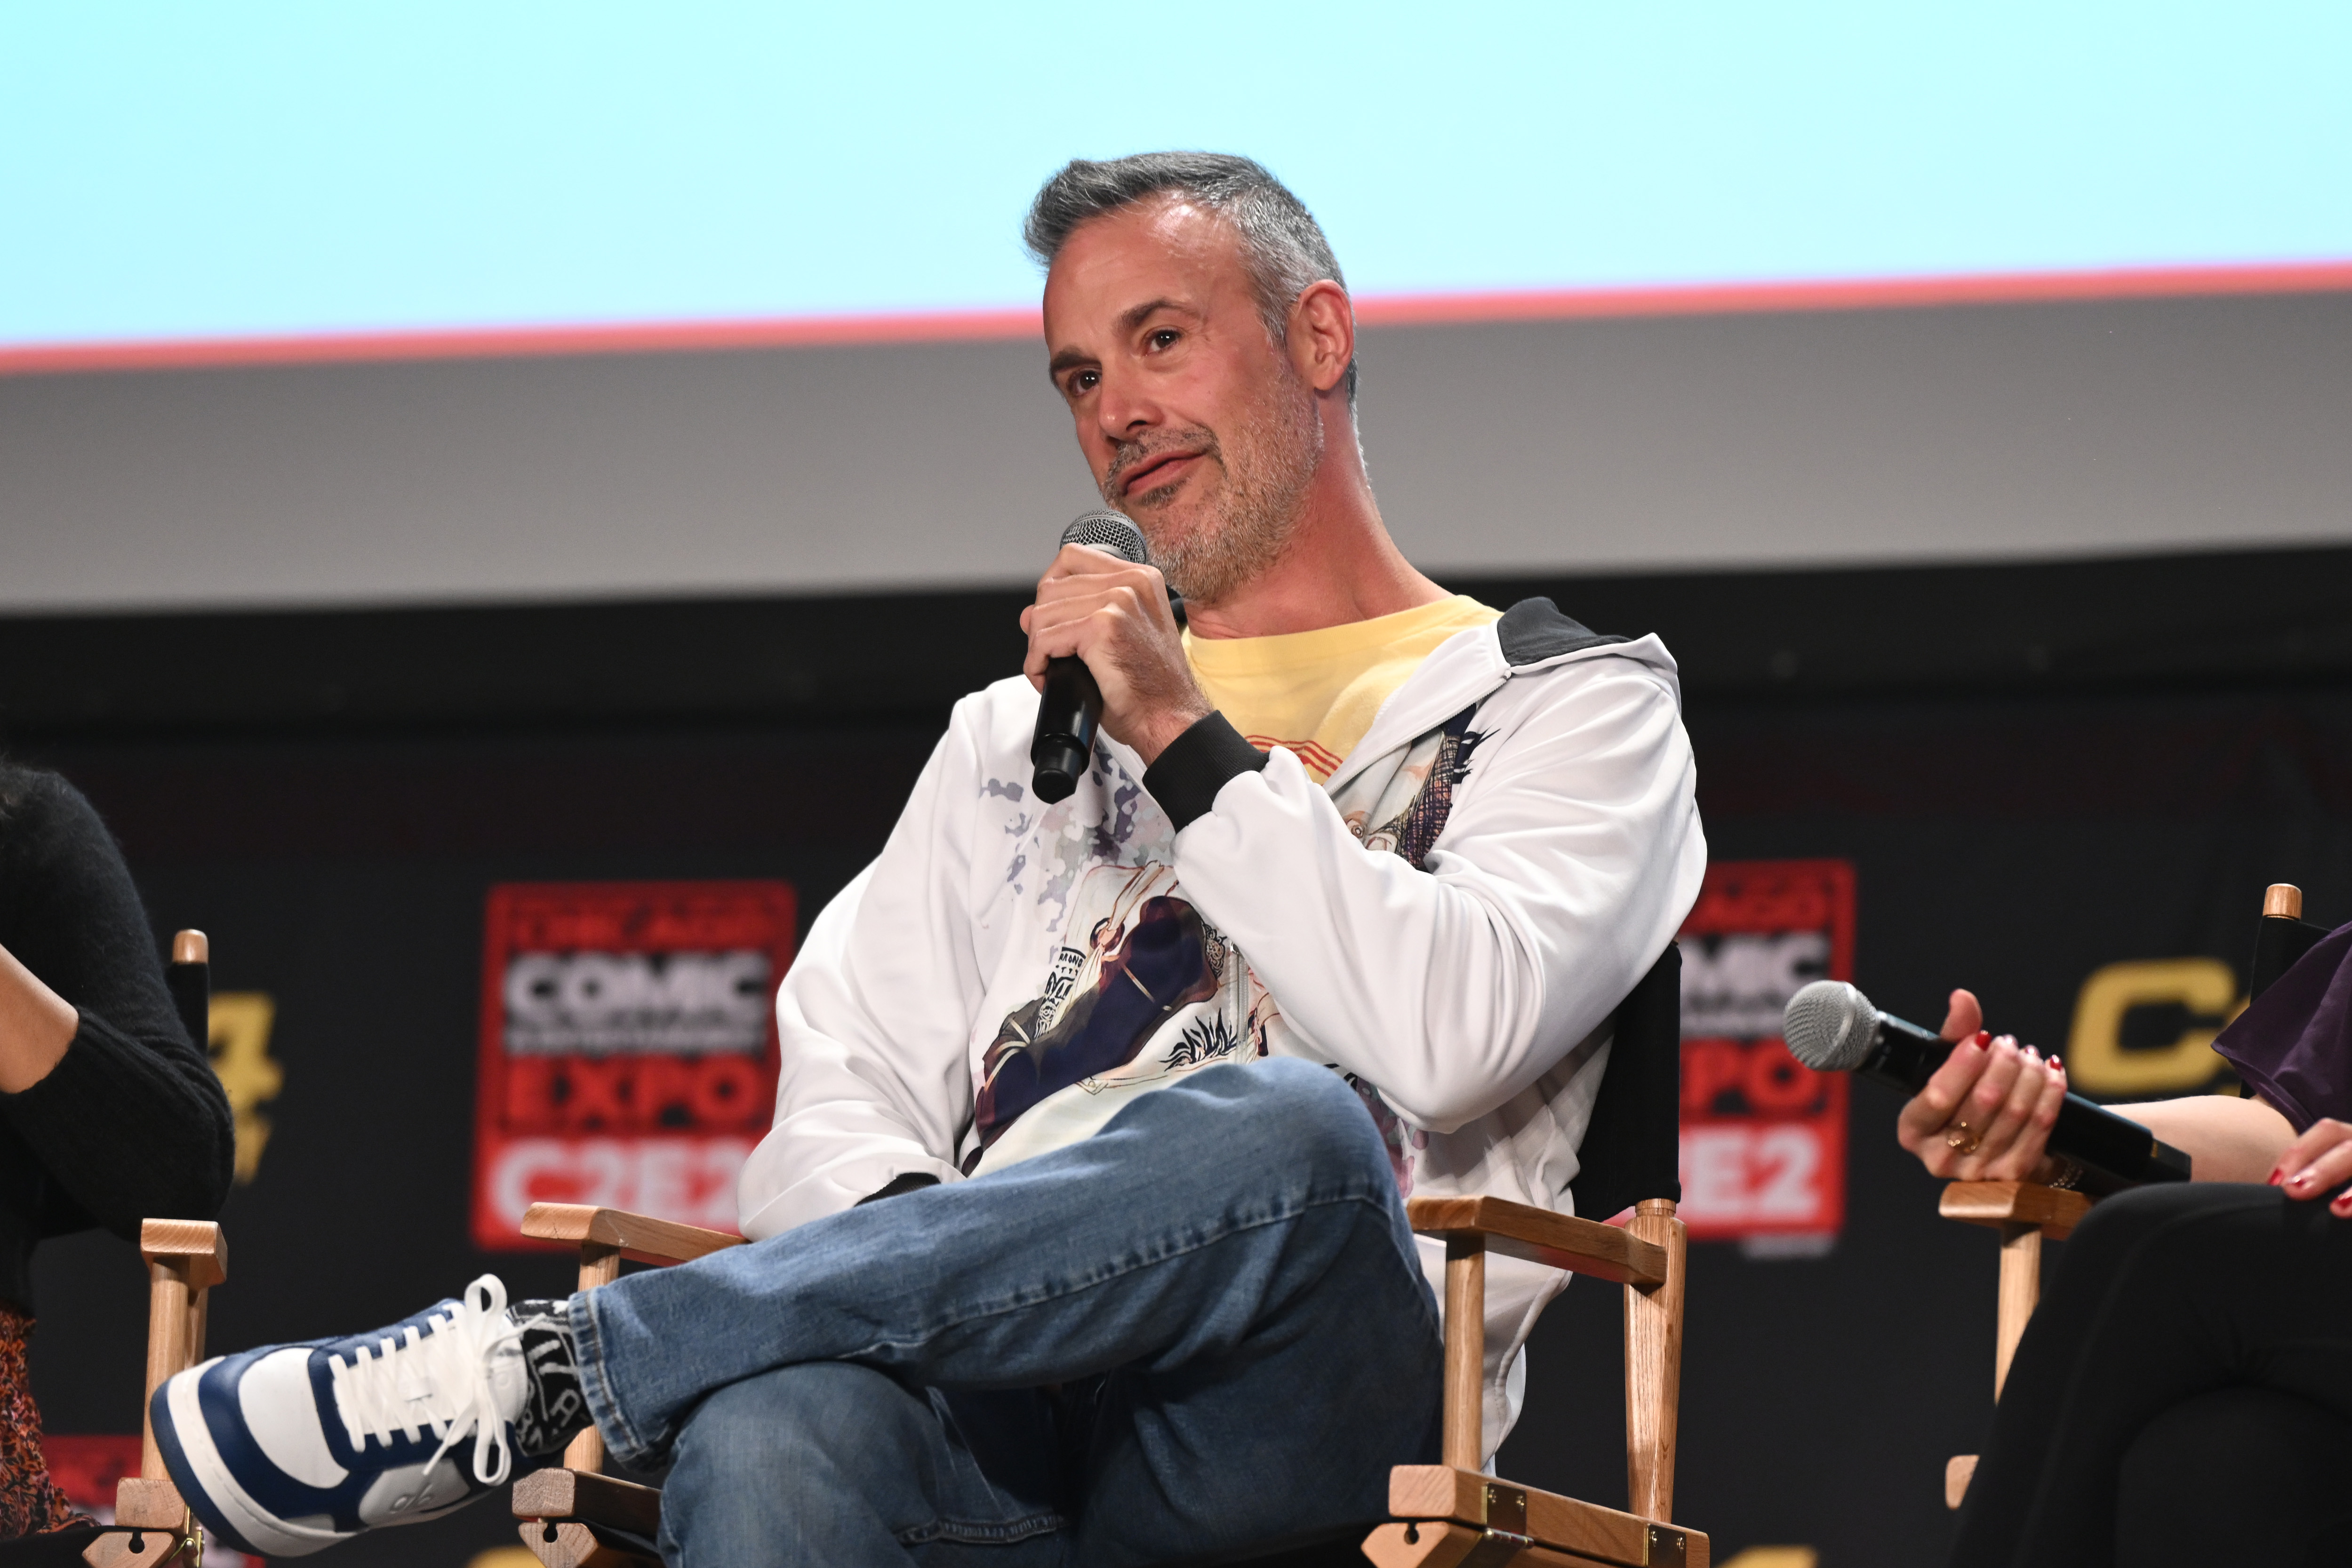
(439, 1381)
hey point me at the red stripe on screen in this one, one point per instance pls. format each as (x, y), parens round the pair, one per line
(523, 343)
(1374, 310)
(1857, 294)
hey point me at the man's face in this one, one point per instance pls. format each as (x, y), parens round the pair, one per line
(1190, 416)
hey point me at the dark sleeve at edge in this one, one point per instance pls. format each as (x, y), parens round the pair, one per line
(128, 1131)
(2292, 1045)
(131, 1123)
(1196, 765)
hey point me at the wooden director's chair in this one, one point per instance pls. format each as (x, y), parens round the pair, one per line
(1449, 1515)
(2026, 1213)
(185, 1259)
(575, 1516)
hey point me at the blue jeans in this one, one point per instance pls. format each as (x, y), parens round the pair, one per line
(1202, 1329)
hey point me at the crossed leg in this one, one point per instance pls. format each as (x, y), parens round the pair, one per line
(2166, 1296)
(1202, 1327)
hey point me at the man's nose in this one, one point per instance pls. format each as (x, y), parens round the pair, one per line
(1123, 410)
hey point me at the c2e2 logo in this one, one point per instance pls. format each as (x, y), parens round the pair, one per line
(1763, 1140)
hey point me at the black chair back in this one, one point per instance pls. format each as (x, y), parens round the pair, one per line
(1632, 1145)
(190, 977)
(2279, 941)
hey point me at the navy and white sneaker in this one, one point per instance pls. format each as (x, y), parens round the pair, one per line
(288, 1449)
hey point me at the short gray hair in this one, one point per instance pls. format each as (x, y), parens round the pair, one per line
(1282, 243)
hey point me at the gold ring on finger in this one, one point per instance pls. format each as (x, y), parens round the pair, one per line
(1960, 1136)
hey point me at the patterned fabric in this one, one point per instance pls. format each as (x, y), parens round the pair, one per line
(1412, 834)
(30, 1501)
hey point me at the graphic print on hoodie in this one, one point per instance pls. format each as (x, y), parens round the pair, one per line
(1101, 1006)
(1141, 988)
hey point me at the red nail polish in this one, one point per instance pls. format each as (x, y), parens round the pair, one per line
(2277, 1177)
(1984, 1037)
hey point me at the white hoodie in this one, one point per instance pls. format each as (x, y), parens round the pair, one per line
(1451, 921)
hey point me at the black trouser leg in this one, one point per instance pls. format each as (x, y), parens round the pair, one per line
(2165, 1294)
(2240, 1475)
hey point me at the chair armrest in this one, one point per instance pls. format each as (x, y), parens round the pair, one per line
(1539, 1236)
(2053, 1210)
(146, 1503)
(636, 1236)
(197, 1245)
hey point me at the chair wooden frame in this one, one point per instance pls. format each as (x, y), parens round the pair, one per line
(1455, 1515)
(2025, 1214)
(1450, 1515)
(575, 1516)
(185, 1259)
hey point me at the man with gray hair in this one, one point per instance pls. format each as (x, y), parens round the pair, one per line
(1341, 909)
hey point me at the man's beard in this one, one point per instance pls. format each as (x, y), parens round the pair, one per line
(1266, 466)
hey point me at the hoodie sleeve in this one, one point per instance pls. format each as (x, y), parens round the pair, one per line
(873, 1017)
(1571, 857)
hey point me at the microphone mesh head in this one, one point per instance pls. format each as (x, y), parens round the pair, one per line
(1828, 1025)
(1113, 534)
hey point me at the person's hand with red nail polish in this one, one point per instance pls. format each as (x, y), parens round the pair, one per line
(2317, 1164)
(1986, 1114)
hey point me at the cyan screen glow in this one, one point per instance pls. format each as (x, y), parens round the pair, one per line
(171, 171)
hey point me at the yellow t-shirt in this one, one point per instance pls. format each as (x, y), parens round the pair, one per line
(1317, 692)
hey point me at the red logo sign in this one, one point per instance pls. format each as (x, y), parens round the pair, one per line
(1763, 1156)
(628, 1051)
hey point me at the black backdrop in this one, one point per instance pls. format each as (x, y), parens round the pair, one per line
(2034, 770)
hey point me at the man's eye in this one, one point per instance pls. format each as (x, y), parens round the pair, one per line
(1085, 381)
(1165, 337)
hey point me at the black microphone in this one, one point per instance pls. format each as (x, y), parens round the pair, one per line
(1830, 1026)
(1069, 710)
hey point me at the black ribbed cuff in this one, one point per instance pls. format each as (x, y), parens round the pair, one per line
(1195, 766)
(897, 1186)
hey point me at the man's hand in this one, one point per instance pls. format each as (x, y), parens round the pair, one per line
(1986, 1115)
(1116, 617)
(2317, 1162)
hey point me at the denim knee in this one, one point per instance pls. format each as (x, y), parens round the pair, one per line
(788, 1435)
(1315, 1118)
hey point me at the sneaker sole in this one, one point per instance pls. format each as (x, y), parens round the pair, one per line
(206, 1484)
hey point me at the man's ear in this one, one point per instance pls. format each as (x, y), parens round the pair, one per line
(1322, 335)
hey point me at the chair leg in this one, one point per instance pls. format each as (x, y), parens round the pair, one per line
(1958, 1471)
(171, 1315)
(2020, 1292)
(599, 1265)
(1466, 1352)
(1654, 1365)
(160, 1528)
